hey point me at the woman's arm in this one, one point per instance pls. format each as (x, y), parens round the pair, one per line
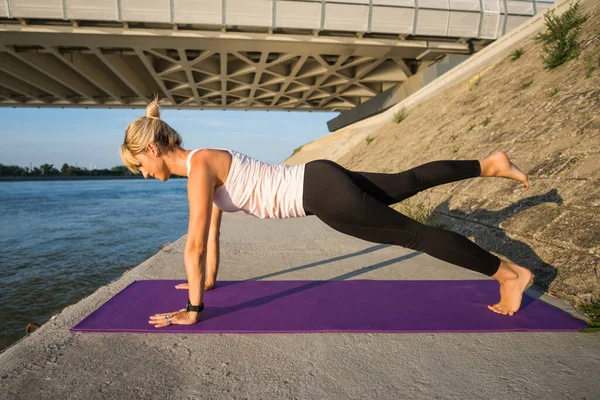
(213, 251)
(213, 248)
(201, 184)
(201, 190)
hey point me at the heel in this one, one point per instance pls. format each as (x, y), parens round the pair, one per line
(530, 283)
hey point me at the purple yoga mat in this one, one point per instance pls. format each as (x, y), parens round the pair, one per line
(327, 306)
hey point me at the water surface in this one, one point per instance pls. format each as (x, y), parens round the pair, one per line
(61, 240)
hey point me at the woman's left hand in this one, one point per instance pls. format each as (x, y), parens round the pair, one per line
(180, 317)
(182, 286)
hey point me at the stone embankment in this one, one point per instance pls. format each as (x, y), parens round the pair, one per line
(547, 121)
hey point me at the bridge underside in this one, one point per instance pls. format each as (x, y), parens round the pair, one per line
(234, 54)
(66, 66)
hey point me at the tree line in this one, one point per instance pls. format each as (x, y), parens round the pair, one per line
(66, 170)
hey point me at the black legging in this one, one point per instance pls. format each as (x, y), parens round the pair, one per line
(357, 203)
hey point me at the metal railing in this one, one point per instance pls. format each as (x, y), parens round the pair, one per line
(487, 19)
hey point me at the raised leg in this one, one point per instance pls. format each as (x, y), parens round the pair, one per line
(391, 188)
(331, 195)
(336, 199)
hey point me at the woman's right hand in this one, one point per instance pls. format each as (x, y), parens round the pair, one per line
(185, 286)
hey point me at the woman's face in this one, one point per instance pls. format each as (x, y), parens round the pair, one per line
(152, 164)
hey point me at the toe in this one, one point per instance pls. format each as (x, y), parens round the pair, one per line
(496, 308)
(501, 309)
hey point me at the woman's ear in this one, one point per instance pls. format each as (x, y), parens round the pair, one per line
(154, 149)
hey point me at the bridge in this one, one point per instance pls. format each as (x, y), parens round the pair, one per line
(322, 55)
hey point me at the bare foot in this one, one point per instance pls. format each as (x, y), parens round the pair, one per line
(513, 281)
(499, 165)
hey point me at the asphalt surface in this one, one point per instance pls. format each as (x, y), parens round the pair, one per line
(54, 363)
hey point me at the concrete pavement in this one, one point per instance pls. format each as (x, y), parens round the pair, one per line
(53, 363)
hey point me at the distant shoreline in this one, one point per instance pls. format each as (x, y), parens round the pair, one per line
(73, 178)
(64, 178)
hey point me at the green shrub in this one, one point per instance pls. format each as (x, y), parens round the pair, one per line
(589, 65)
(486, 121)
(399, 115)
(527, 84)
(516, 54)
(369, 139)
(471, 127)
(554, 91)
(474, 82)
(297, 150)
(560, 36)
(592, 310)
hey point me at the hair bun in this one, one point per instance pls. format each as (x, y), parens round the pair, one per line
(153, 109)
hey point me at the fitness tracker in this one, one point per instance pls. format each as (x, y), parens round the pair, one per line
(190, 307)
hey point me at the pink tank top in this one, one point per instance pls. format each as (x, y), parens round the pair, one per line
(260, 189)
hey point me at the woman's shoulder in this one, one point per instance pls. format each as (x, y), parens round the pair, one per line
(217, 149)
(217, 161)
(209, 154)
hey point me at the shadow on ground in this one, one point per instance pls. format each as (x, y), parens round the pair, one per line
(483, 227)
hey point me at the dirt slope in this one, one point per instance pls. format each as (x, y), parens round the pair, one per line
(548, 122)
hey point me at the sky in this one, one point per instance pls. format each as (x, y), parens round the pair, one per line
(86, 137)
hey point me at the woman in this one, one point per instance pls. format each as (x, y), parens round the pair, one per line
(355, 203)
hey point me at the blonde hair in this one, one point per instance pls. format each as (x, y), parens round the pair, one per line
(146, 130)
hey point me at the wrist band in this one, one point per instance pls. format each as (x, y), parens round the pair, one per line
(190, 307)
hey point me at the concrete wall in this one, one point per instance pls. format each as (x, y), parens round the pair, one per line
(394, 95)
